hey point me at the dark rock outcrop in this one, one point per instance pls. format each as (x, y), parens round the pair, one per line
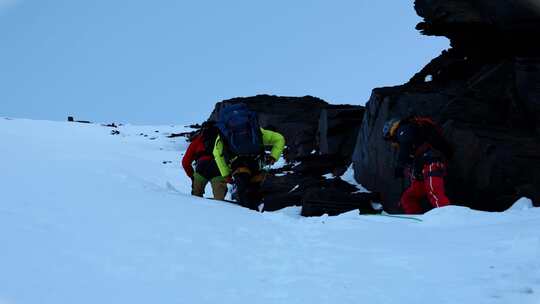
(320, 140)
(333, 201)
(310, 125)
(294, 117)
(485, 92)
(477, 25)
(338, 127)
(316, 194)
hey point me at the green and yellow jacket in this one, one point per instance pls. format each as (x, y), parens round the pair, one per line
(269, 138)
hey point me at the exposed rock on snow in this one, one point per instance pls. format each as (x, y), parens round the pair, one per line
(320, 140)
(308, 124)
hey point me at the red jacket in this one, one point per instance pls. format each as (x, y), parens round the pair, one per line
(196, 151)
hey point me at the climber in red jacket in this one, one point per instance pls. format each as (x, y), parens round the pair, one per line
(206, 170)
(423, 154)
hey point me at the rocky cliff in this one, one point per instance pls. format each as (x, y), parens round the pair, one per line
(484, 91)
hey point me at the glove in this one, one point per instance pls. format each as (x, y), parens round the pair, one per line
(269, 160)
(228, 179)
(398, 172)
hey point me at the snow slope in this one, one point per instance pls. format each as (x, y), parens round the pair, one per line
(87, 217)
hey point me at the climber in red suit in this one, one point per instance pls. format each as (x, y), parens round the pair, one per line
(423, 155)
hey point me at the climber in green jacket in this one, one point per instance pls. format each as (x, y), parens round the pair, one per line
(269, 138)
(242, 170)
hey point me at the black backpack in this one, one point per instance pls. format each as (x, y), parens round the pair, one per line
(209, 134)
(240, 131)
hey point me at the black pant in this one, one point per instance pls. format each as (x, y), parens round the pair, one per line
(247, 177)
(248, 193)
(207, 168)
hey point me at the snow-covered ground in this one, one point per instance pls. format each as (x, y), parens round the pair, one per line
(87, 217)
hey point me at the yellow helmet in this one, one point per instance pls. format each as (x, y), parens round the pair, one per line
(390, 127)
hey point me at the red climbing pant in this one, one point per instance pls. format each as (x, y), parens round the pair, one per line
(431, 186)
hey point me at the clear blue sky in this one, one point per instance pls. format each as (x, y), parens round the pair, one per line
(166, 61)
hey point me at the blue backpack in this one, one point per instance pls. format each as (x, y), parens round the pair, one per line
(240, 131)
